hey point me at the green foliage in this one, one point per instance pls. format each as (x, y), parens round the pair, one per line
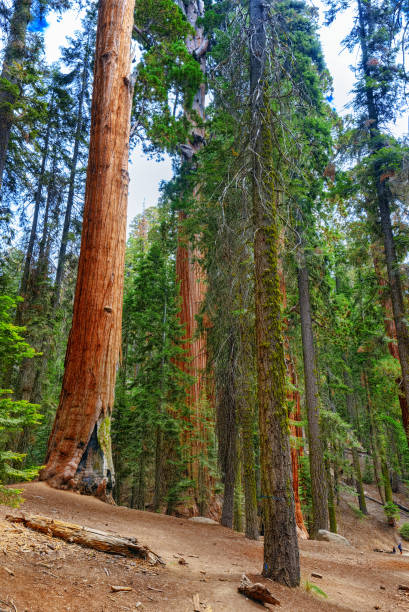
(14, 415)
(168, 76)
(358, 513)
(391, 510)
(310, 587)
(404, 531)
(13, 347)
(305, 489)
(151, 412)
(368, 475)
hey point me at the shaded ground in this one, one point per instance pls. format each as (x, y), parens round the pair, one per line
(39, 573)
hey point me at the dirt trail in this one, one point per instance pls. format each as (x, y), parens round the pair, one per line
(51, 575)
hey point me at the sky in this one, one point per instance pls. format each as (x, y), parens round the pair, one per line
(146, 174)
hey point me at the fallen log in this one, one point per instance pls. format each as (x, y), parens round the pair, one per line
(257, 591)
(88, 537)
(400, 506)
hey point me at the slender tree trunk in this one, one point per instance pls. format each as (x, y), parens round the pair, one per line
(383, 199)
(157, 493)
(35, 301)
(33, 233)
(247, 415)
(71, 184)
(79, 451)
(246, 399)
(13, 55)
(225, 393)
(331, 498)
(312, 401)
(358, 482)
(281, 556)
(373, 437)
(351, 409)
(138, 486)
(238, 523)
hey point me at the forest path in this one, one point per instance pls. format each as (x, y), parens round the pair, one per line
(51, 575)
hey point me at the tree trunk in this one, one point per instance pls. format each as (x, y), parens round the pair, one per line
(88, 537)
(157, 493)
(71, 184)
(14, 54)
(358, 482)
(396, 294)
(226, 417)
(246, 416)
(351, 410)
(138, 485)
(33, 233)
(79, 451)
(238, 522)
(293, 396)
(192, 277)
(312, 401)
(373, 437)
(331, 498)
(383, 201)
(281, 556)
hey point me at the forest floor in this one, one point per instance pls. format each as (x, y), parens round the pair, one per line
(39, 573)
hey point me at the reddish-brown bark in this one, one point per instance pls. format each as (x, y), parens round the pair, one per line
(192, 291)
(390, 331)
(293, 396)
(192, 281)
(79, 449)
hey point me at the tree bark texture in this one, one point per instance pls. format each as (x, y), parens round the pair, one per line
(331, 498)
(88, 537)
(192, 278)
(226, 425)
(390, 331)
(351, 410)
(281, 556)
(14, 54)
(312, 402)
(246, 411)
(293, 396)
(79, 451)
(374, 439)
(383, 196)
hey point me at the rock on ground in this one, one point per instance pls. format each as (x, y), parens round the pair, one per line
(328, 536)
(203, 520)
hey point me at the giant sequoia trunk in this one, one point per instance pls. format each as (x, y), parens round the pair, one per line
(192, 281)
(294, 399)
(390, 331)
(13, 56)
(281, 556)
(312, 402)
(79, 448)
